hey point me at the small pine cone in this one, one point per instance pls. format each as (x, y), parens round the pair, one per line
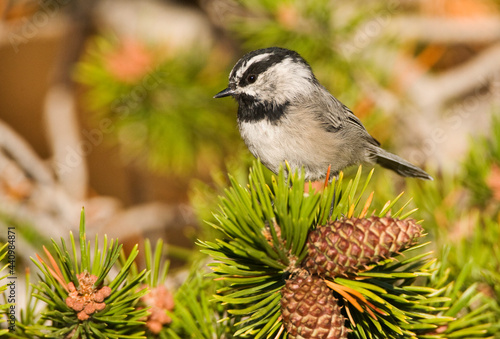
(86, 299)
(159, 300)
(310, 311)
(348, 245)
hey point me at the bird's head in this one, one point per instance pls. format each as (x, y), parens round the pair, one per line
(269, 78)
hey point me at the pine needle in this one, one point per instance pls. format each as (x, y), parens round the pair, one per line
(367, 205)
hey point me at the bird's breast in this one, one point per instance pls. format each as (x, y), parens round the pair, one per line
(300, 141)
(266, 141)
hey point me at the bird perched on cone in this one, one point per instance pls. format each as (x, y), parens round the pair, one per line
(285, 114)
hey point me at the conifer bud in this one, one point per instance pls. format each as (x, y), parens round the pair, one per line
(86, 299)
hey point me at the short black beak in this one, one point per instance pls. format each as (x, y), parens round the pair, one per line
(224, 93)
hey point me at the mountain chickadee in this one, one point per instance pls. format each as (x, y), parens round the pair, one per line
(284, 113)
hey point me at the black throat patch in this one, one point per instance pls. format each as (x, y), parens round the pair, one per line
(253, 110)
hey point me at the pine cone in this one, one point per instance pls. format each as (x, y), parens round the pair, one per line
(86, 299)
(347, 246)
(310, 311)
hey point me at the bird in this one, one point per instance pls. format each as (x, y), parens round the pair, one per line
(286, 115)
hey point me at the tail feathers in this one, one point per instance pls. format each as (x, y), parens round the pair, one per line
(399, 165)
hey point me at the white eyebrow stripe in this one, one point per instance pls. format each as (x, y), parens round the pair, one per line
(248, 63)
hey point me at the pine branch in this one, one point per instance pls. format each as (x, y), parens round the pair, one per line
(80, 301)
(279, 242)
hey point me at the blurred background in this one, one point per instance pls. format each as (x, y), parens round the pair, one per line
(107, 104)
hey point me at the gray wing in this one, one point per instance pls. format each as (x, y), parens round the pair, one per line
(336, 116)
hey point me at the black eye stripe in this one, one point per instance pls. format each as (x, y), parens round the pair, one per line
(274, 55)
(259, 68)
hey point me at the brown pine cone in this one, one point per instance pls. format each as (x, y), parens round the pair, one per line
(348, 245)
(310, 311)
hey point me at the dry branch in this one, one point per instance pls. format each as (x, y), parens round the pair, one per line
(478, 30)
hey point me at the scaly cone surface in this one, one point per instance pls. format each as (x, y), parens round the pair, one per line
(310, 310)
(348, 245)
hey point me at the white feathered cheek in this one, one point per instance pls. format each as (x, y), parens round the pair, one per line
(262, 90)
(290, 80)
(252, 90)
(281, 83)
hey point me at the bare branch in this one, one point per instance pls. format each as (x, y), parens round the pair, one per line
(23, 154)
(69, 156)
(435, 90)
(142, 218)
(446, 30)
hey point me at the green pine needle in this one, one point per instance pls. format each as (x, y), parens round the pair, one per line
(266, 227)
(119, 319)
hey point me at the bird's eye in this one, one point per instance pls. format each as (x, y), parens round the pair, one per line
(251, 78)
